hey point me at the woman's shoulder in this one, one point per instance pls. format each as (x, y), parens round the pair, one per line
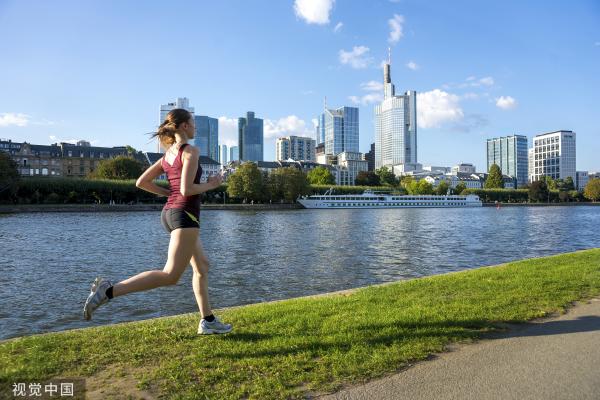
(190, 149)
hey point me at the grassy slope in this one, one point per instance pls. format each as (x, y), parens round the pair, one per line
(308, 345)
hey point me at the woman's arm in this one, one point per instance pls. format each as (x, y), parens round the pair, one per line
(146, 180)
(190, 158)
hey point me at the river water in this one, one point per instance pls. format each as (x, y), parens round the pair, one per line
(48, 261)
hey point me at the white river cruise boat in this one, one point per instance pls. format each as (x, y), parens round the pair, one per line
(371, 199)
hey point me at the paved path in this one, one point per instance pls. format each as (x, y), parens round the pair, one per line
(556, 358)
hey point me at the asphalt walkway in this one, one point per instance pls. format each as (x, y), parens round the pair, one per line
(555, 358)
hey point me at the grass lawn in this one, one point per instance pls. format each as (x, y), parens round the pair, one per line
(307, 346)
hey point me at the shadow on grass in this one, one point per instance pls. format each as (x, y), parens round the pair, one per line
(363, 335)
(393, 333)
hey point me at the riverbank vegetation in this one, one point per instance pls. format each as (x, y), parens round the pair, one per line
(248, 184)
(306, 346)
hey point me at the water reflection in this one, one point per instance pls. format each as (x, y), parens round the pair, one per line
(49, 260)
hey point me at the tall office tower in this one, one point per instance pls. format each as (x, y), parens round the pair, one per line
(510, 154)
(234, 153)
(321, 129)
(181, 102)
(555, 155)
(295, 147)
(223, 153)
(339, 130)
(207, 136)
(370, 157)
(250, 138)
(530, 164)
(395, 125)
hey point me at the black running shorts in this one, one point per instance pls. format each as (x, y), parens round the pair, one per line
(175, 218)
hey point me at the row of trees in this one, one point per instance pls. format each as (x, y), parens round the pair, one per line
(248, 183)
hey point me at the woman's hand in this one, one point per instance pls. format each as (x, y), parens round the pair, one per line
(215, 181)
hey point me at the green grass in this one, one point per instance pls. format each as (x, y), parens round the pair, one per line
(303, 346)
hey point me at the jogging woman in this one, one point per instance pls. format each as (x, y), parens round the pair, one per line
(180, 217)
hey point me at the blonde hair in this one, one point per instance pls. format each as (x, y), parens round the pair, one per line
(168, 128)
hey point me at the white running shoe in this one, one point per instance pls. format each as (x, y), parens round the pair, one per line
(216, 326)
(97, 297)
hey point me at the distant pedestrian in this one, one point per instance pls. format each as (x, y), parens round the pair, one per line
(180, 217)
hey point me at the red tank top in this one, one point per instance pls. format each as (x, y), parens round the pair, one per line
(176, 199)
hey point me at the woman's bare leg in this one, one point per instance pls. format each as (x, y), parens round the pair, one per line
(181, 247)
(200, 279)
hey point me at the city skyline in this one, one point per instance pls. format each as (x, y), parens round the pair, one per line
(475, 80)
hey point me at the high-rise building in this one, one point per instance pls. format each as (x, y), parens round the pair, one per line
(339, 130)
(582, 180)
(206, 137)
(234, 153)
(370, 157)
(223, 153)
(395, 125)
(530, 164)
(250, 138)
(295, 147)
(321, 129)
(510, 154)
(555, 155)
(181, 102)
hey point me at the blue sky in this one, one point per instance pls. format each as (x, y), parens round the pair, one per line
(98, 70)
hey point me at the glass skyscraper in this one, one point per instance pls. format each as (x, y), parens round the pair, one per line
(207, 136)
(395, 126)
(234, 154)
(250, 138)
(338, 128)
(510, 154)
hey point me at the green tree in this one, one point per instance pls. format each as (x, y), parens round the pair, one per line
(494, 179)
(592, 190)
(550, 183)
(120, 167)
(367, 178)
(287, 183)
(460, 187)
(424, 187)
(386, 176)
(442, 188)
(246, 183)
(321, 176)
(9, 176)
(569, 184)
(130, 150)
(538, 191)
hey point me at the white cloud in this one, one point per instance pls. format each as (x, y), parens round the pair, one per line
(412, 65)
(487, 81)
(395, 28)
(357, 58)
(228, 131)
(14, 119)
(372, 86)
(338, 27)
(366, 99)
(286, 126)
(314, 11)
(56, 139)
(470, 96)
(436, 107)
(506, 102)
(470, 78)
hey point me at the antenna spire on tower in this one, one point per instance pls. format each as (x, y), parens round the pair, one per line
(389, 55)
